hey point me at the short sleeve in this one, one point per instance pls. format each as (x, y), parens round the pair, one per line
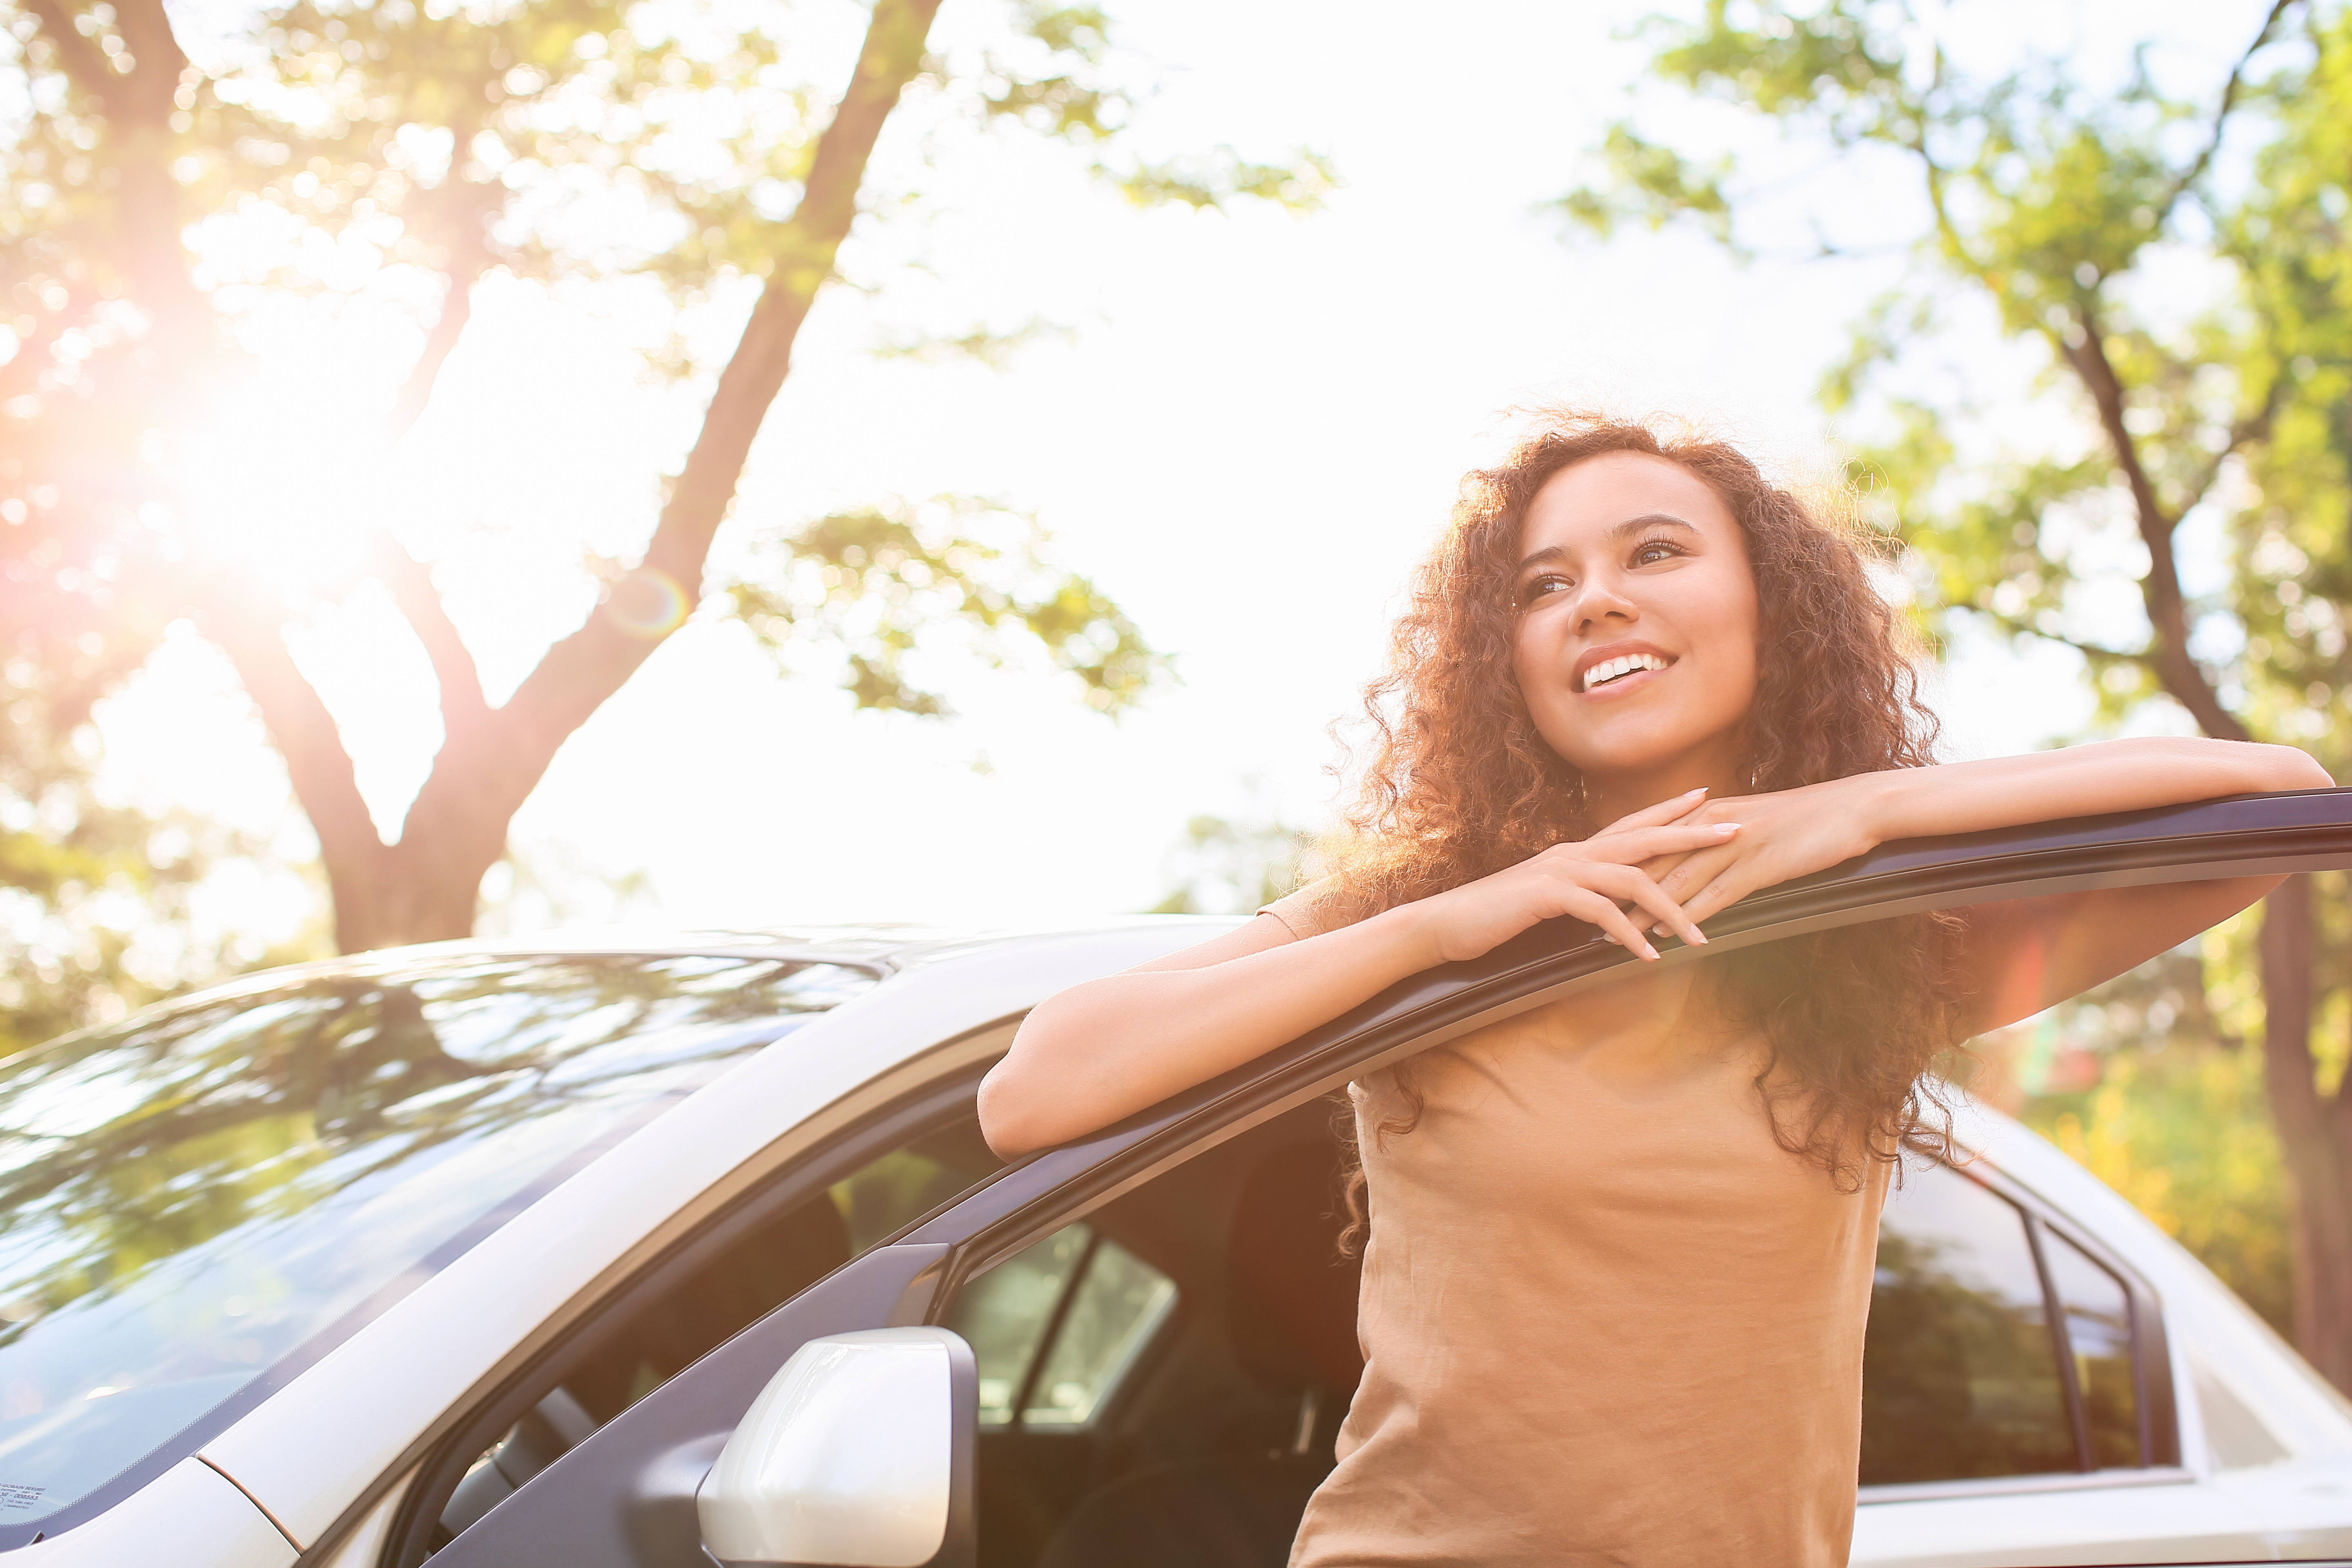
(1313, 909)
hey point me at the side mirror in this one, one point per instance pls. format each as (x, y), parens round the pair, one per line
(858, 1453)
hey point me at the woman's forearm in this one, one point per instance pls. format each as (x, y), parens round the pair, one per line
(1101, 1051)
(2079, 780)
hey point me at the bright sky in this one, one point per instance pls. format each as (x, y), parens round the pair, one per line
(1253, 435)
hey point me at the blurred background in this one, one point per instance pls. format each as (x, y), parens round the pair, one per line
(472, 468)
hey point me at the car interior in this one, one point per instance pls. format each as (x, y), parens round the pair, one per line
(1162, 1382)
(1172, 1370)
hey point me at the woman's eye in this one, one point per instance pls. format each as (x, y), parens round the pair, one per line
(1541, 587)
(1652, 551)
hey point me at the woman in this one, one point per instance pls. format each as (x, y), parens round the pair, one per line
(1620, 1247)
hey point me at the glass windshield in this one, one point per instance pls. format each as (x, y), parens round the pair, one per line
(189, 1199)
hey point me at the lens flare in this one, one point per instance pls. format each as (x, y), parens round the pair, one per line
(647, 602)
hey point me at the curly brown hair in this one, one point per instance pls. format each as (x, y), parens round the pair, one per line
(1461, 784)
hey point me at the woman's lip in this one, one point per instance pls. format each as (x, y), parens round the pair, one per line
(1624, 683)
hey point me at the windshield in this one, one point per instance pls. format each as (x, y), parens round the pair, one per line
(193, 1199)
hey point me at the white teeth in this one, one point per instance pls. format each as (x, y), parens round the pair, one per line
(1610, 670)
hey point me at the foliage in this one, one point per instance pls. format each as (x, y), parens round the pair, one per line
(174, 200)
(1230, 867)
(870, 583)
(2179, 1128)
(96, 900)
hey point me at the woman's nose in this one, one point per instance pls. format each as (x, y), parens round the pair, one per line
(1603, 601)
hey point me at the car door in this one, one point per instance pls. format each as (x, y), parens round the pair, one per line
(624, 1496)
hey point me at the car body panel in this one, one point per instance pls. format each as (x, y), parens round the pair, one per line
(191, 1516)
(2166, 1522)
(309, 1462)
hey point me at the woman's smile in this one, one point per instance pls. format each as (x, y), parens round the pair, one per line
(1618, 667)
(1635, 648)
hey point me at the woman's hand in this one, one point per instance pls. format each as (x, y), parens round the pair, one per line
(1596, 880)
(1783, 835)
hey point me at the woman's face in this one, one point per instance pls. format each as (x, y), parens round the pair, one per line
(1636, 640)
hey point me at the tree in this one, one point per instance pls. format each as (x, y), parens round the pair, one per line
(96, 898)
(1228, 866)
(425, 140)
(2179, 262)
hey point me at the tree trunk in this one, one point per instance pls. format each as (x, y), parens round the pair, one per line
(2312, 1133)
(426, 887)
(2314, 1130)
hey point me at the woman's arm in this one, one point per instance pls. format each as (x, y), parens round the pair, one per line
(1800, 831)
(2025, 954)
(1089, 1056)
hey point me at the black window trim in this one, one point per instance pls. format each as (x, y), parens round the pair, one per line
(2293, 831)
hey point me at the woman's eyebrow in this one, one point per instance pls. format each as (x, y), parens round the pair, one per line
(1617, 531)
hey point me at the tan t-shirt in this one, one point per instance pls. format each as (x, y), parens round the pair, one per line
(1606, 1319)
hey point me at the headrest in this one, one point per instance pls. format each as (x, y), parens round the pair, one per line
(1291, 1298)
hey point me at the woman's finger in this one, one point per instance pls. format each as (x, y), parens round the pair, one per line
(1659, 867)
(1700, 870)
(1727, 888)
(1665, 811)
(1626, 885)
(1642, 844)
(1594, 909)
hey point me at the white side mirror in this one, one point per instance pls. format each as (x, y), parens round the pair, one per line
(857, 1453)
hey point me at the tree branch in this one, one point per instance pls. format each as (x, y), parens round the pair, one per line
(412, 589)
(138, 106)
(2168, 611)
(250, 629)
(469, 258)
(2253, 427)
(83, 62)
(2016, 627)
(479, 781)
(2230, 91)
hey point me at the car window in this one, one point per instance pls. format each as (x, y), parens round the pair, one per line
(1055, 1327)
(190, 1198)
(2097, 1314)
(620, 1361)
(1960, 1375)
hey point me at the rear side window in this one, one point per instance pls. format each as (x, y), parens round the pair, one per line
(1996, 1347)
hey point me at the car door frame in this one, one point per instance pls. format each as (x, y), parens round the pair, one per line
(913, 1278)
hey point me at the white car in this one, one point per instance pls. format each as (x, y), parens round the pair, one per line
(485, 1254)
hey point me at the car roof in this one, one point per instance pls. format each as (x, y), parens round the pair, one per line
(884, 948)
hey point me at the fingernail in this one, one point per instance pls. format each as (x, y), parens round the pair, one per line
(1688, 792)
(1649, 951)
(1698, 937)
(1727, 827)
(1610, 936)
